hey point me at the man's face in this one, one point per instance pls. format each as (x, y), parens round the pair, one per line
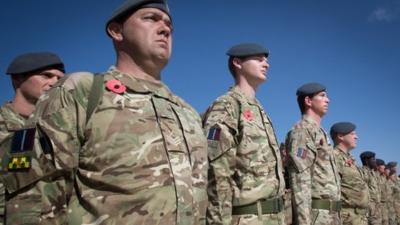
(319, 103)
(255, 68)
(381, 169)
(349, 140)
(33, 86)
(146, 35)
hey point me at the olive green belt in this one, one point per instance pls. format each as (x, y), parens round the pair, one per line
(268, 206)
(326, 204)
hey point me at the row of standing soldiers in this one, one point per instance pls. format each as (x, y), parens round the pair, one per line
(121, 148)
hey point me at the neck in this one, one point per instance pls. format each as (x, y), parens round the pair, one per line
(144, 70)
(22, 106)
(317, 118)
(343, 147)
(248, 89)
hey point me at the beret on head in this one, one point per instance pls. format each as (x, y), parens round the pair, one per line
(380, 162)
(130, 6)
(310, 89)
(342, 128)
(392, 164)
(367, 155)
(34, 61)
(247, 49)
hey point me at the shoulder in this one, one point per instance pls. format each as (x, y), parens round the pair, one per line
(187, 107)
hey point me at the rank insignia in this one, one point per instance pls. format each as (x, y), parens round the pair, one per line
(214, 134)
(301, 153)
(23, 140)
(19, 163)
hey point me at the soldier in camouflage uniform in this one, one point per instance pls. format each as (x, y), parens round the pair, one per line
(141, 156)
(355, 194)
(396, 191)
(372, 177)
(314, 178)
(390, 200)
(32, 74)
(384, 191)
(246, 183)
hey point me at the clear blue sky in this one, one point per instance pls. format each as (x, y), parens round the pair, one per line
(351, 46)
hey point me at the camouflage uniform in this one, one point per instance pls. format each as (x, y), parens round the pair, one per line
(314, 177)
(31, 196)
(9, 122)
(246, 184)
(396, 196)
(390, 202)
(384, 199)
(374, 211)
(141, 158)
(355, 194)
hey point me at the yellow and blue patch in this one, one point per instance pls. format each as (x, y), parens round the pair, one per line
(19, 163)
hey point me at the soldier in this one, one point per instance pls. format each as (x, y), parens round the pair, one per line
(373, 180)
(31, 74)
(314, 178)
(384, 191)
(355, 195)
(390, 185)
(136, 151)
(396, 190)
(246, 184)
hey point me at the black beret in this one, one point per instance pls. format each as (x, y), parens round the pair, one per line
(247, 49)
(129, 6)
(392, 164)
(367, 155)
(380, 162)
(34, 61)
(309, 89)
(342, 128)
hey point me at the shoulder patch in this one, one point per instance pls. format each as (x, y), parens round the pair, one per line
(214, 134)
(23, 140)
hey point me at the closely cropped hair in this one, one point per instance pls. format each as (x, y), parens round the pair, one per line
(300, 101)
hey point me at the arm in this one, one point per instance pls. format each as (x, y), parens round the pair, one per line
(301, 158)
(220, 128)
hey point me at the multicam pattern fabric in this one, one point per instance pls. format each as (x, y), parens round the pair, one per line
(396, 196)
(384, 199)
(390, 201)
(374, 212)
(355, 194)
(141, 158)
(313, 172)
(245, 162)
(29, 200)
(9, 122)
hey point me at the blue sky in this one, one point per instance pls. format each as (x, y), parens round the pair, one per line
(351, 46)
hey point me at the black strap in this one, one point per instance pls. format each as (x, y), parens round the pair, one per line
(96, 92)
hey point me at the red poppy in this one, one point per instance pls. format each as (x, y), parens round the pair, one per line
(248, 115)
(115, 86)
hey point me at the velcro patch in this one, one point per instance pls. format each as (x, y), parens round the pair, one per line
(23, 140)
(19, 163)
(301, 153)
(214, 134)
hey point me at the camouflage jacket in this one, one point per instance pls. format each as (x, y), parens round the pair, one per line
(32, 197)
(384, 188)
(354, 187)
(9, 122)
(141, 158)
(312, 168)
(245, 162)
(396, 197)
(373, 179)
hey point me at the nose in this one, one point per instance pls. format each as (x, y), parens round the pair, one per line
(165, 28)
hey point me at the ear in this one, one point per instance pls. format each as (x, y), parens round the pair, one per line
(237, 63)
(308, 101)
(115, 31)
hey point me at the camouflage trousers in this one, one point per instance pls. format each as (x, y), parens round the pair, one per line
(351, 216)
(385, 213)
(325, 217)
(375, 214)
(288, 208)
(391, 213)
(266, 219)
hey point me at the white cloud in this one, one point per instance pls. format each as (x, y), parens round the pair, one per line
(383, 15)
